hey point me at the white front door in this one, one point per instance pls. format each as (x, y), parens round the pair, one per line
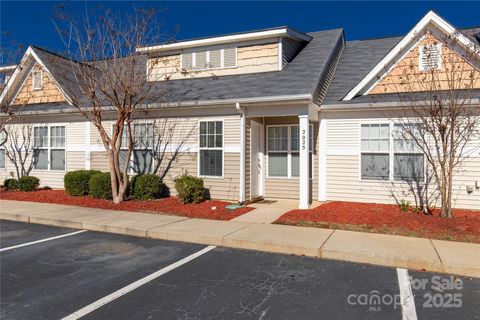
(256, 159)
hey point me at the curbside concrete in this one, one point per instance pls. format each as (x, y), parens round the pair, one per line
(378, 249)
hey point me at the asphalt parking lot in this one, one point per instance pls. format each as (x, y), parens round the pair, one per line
(56, 273)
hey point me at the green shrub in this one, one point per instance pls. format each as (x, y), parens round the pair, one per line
(189, 188)
(101, 186)
(10, 184)
(77, 183)
(404, 205)
(147, 186)
(28, 183)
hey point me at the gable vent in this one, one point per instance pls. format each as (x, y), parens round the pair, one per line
(430, 57)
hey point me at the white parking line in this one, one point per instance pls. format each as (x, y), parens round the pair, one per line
(42, 240)
(120, 292)
(406, 295)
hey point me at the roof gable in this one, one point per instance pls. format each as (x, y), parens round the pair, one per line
(408, 74)
(18, 84)
(431, 23)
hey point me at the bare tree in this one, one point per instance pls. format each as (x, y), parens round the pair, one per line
(169, 144)
(19, 149)
(439, 98)
(110, 79)
(10, 53)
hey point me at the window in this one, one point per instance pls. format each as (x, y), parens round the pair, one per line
(375, 149)
(3, 138)
(283, 151)
(430, 57)
(210, 59)
(403, 162)
(49, 154)
(142, 159)
(211, 148)
(37, 79)
(408, 160)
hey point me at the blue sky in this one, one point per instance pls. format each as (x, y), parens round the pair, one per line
(31, 22)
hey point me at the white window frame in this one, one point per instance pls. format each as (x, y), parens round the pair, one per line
(207, 60)
(40, 87)
(421, 66)
(215, 148)
(49, 147)
(391, 155)
(289, 151)
(131, 163)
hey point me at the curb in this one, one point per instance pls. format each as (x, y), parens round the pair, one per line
(232, 240)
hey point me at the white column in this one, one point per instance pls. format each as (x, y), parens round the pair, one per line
(322, 160)
(243, 125)
(304, 202)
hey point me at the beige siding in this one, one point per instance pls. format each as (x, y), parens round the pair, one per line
(288, 188)
(407, 77)
(74, 157)
(49, 93)
(250, 59)
(343, 168)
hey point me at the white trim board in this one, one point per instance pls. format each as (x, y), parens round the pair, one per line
(430, 18)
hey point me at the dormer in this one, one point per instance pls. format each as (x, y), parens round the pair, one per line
(243, 53)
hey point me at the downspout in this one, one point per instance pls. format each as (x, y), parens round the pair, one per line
(243, 122)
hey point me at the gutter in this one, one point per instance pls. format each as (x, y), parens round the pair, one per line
(306, 97)
(378, 105)
(243, 124)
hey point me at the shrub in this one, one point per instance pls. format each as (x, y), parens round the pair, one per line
(10, 184)
(147, 186)
(404, 205)
(28, 183)
(189, 188)
(100, 186)
(77, 183)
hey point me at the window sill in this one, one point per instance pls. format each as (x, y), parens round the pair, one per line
(212, 177)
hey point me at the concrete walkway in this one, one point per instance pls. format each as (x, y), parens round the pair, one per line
(386, 250)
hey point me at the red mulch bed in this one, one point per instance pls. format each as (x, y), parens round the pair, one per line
(384, 218)
(169, 205)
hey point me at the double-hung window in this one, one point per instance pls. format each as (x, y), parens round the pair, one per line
(142, 158)
(375, 151)
(283, 151)
(402, 161)
(211, 148)
(49, 147)
(3, 138)
(408, 159)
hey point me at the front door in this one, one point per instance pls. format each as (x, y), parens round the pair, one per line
(256, 163)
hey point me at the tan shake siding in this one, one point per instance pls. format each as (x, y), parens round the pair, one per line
(406, 75)
(343, 169)
(288, 188)
(250, 59)
(49, 92)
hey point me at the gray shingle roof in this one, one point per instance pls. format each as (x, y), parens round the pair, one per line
(358, 58)
(300, 76)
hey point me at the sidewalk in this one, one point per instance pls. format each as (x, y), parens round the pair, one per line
(386, 250)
